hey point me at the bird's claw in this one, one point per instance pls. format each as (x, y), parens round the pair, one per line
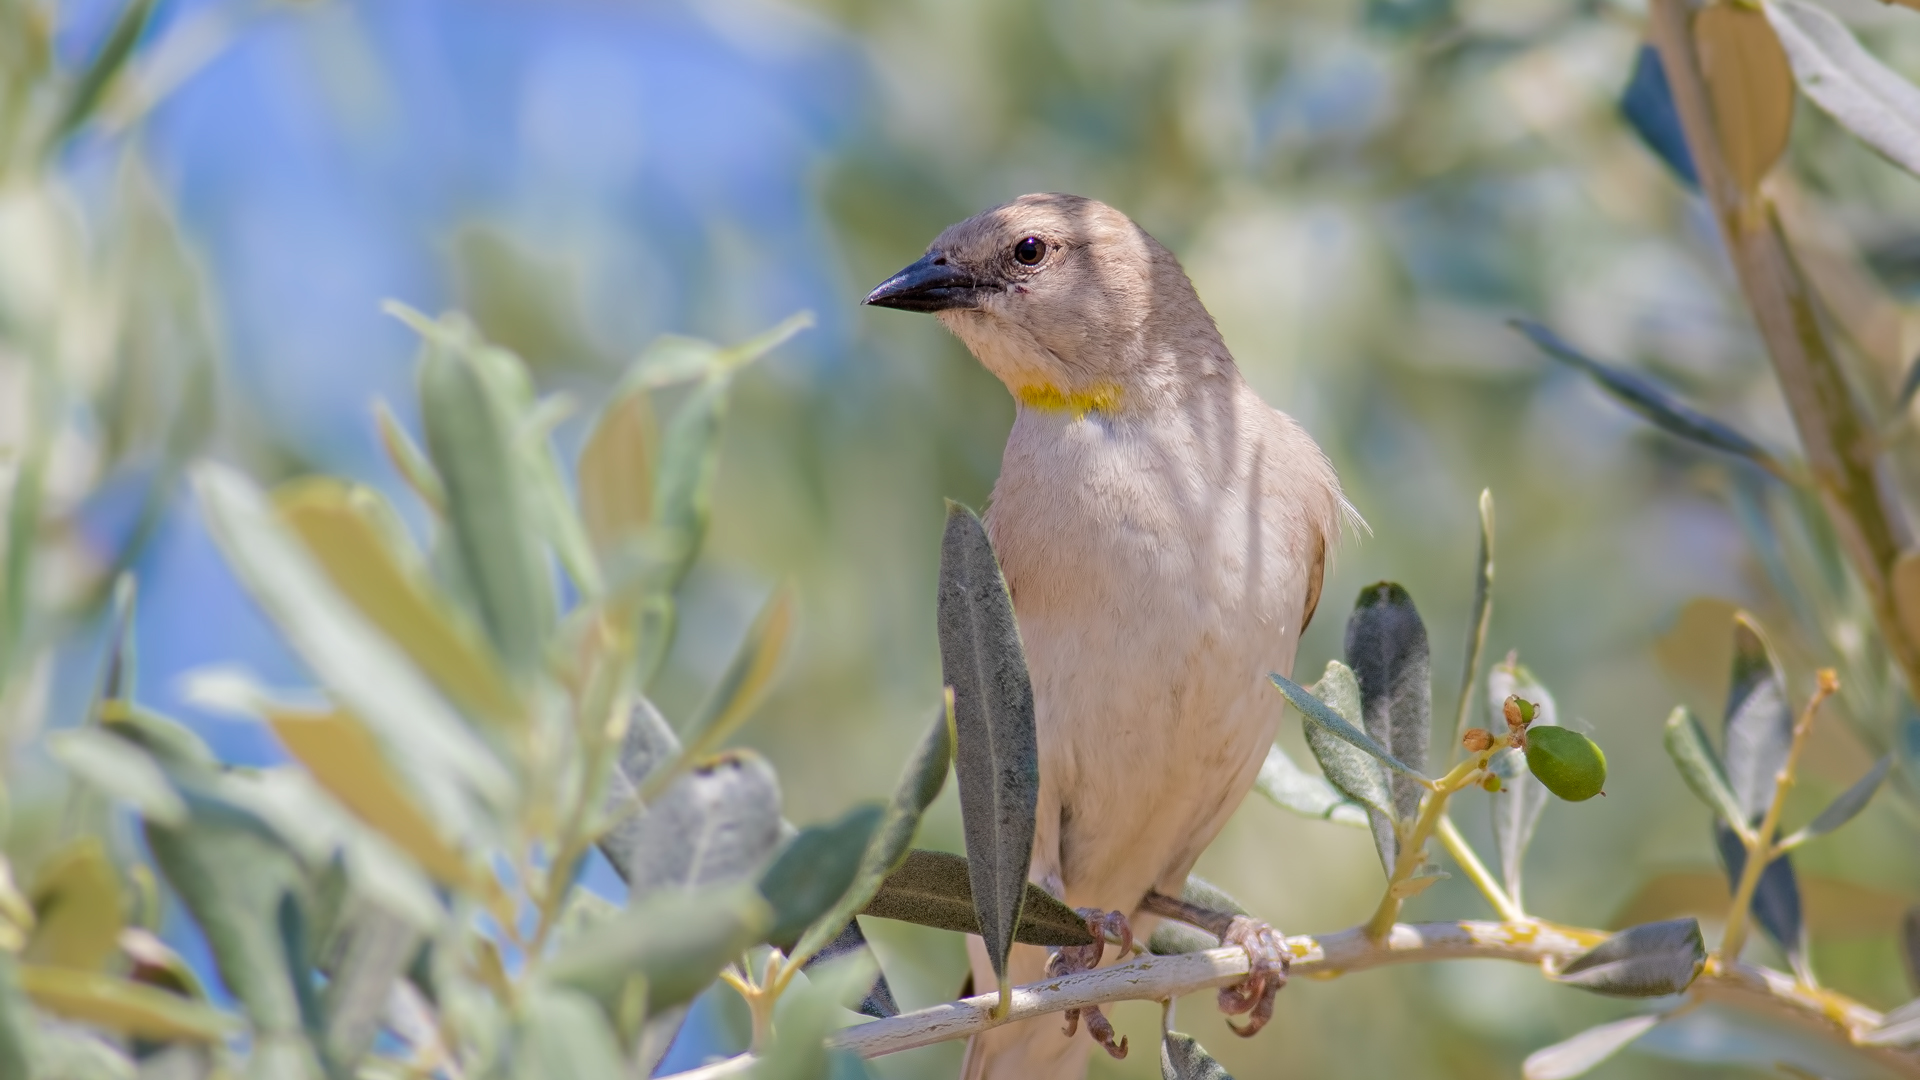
(1072, 959)
(1268, 961)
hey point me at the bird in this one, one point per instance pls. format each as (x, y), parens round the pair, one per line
(1164, 534)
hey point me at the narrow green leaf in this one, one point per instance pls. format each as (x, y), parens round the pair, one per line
(616, 473)
(1909, 386)
(559, 1032)
(1844, 808)
(1317, 713)
(1182, 1058)
(813, 872)
(932, 888)
(19, 1033)
(746, 679)
(438, 753)
(1849, 83)
(1910, 945)
(121, 1005)
(1347, 767)
(1295, 789)
(79, 909)
(1203, 893)
(677, 940)
(717, 824)
(1579, 1055)
(1173, 939)
(1700, 767)
(119, 669)
(471, 433)
(1521, 799)
(1653, 401)
(1759, 720)
(372, 952)
(1652, 960)
(920, 783)
(86, 92)
(408, 459)
(1481, 617)
(559, 523)
(998, 756)
(119, 770)
(1386, 647)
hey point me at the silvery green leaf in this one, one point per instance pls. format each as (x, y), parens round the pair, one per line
(1901, 1027)
(85, 93)
(560, 1032)
(998, 755)
(1653, 401)
(1522, 797)
(1173, 938)
(933, 888)
(120, 770)
(1651, 960)
(1202, 893)
(1182, 1058)
(677, 940)
(1849, 83)
(1292, 787)
(808, 1014)
(1578, 1055)
(1844, 808)
(1482, 615)
(1700, 767)
(1351, 770)
(1318, 714)
(718, 823)
(1759, 720)
(1386, 647)
(373, 951)
(73, 1053)
(1776, 900)
(813, 872)
(878, 1002)
(18, 1030)
(920, 783)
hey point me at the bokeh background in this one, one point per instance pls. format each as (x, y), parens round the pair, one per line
(1364, 191)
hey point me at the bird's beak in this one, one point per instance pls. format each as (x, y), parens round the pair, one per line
(932, 284)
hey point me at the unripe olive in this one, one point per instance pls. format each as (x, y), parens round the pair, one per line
(1491, 783)
(1567, 762)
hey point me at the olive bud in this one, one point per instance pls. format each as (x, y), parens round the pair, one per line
(1519, 713)
(1476, 740)
(1567, 762)
(1491, 783)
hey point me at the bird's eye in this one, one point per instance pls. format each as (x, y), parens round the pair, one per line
(1030, 251)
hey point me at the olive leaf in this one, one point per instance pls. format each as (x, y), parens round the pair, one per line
(1352, 770)
(1518, 804)
(745, 680)
(119, 770)
(1653, 401)
(997, 757)
(676, 939)
(86, 93)
(1776, 900)
(1749, 89)
(1386, 647)
(559, 1032)
(1652, 960)
(1318, 714)
(1843, 808)
(718, 823)
(122, 1005)
(1648, 106)
(814, 870)
(1687, 744)
(1849, 83)
(1759, 721)
(933, 888)
(799, 1050)
(1183, 1058)
(1481, 617)
(1300, 791)
(1579, 1055)
(78, 909)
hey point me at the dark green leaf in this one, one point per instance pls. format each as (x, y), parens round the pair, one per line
(1776, 900)
(814, 871)
(1318, 714)
(1652, 960)
(1182, 1058)
(560, 1033)
(1521, 799)
(1653, 401)
(1700, 766)
(1849, 83)
(998, 757)
(1387, 649)
(920, 784)
(85, 95)
(718, 823)
(471, 431)
(1842, 810)
(1759, 720)
(677, 940)
(932, 888)
(1350, 769)
(1578, 1055)
(233, 875)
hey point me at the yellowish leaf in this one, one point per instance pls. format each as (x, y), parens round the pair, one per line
(340, 525)
(122, 1005)
(616, 472)
(746, 679)
(1750, 86)
(78, 909)
(344, 759)
(1906, 593)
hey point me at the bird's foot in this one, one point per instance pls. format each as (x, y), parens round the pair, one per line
(1268, 961)
(1072, 959)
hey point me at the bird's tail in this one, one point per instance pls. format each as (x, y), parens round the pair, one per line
(1036, 1049)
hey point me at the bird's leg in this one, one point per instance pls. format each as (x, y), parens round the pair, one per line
(1071, 959)
(1268, 958)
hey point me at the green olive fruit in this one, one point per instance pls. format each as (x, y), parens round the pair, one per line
(1567, 762)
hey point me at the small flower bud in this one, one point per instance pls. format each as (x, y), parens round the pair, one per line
(1476, 740)
(1517, 740)
(1491, 783)
(1829, 680)
(1519, 713)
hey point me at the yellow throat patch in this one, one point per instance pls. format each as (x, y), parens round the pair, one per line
(1044, 397)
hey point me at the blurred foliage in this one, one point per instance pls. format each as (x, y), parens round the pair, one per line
(1364, 192)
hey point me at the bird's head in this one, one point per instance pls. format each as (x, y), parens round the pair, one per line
(1064, 298)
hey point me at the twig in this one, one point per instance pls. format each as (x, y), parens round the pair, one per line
(1469, 862)
(1412, 852)
(1159, 978)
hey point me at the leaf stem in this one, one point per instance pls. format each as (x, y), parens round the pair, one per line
(1760, 845)
(1413, 845)
(1476, 871)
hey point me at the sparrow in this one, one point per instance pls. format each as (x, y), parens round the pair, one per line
(1163, 533)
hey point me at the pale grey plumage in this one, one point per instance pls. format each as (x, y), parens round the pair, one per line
(1163, 532)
